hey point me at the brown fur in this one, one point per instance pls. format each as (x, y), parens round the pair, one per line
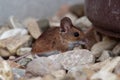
(53, 39)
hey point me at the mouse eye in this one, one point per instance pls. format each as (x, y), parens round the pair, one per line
(76, 34)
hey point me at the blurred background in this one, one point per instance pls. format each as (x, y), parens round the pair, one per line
(31, 8)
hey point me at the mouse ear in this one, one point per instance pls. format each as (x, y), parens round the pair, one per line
(65, 24)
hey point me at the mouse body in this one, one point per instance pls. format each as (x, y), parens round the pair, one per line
(62, 38)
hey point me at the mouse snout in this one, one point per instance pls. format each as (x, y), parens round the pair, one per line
(82, 42)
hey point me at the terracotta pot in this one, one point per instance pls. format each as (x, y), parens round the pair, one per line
(105, 16)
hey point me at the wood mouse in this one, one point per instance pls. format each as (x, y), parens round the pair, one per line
(57, 39)
(62, 38)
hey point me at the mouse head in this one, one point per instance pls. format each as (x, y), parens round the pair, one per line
(70, 32)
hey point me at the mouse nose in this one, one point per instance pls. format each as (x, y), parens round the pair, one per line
(83, 41)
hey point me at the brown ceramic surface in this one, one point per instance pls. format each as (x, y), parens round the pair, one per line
(105, 16)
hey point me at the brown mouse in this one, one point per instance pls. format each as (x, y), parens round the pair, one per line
(62, 38)
(57, 39)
